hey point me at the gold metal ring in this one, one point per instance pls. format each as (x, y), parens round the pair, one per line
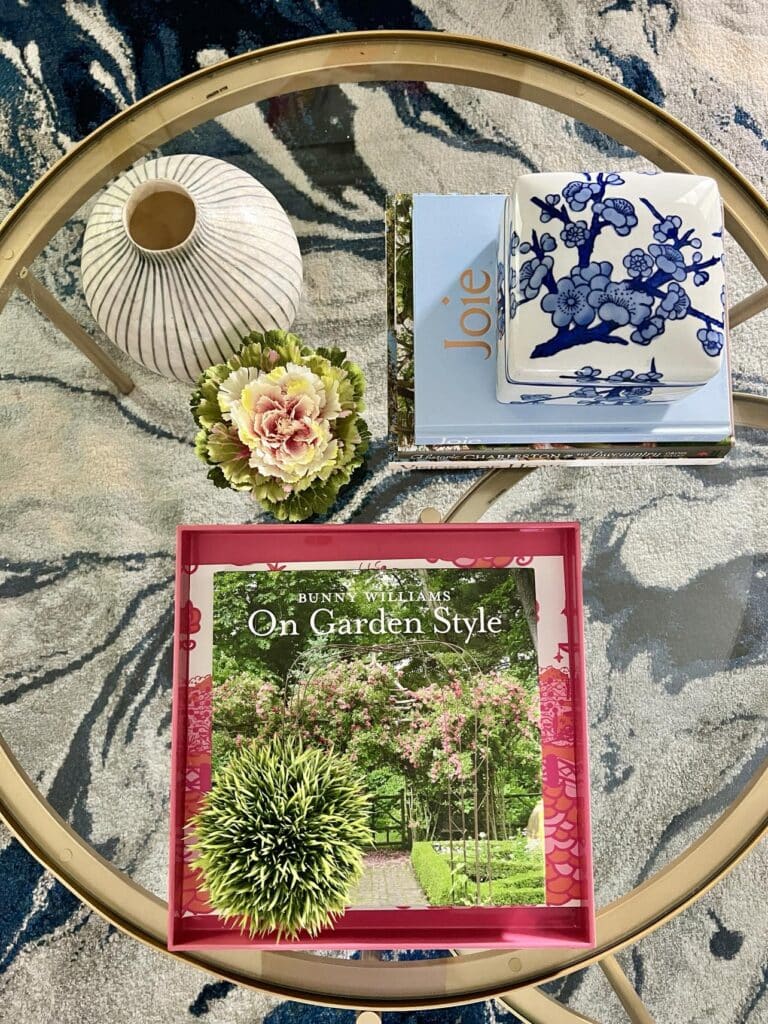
(304, 64)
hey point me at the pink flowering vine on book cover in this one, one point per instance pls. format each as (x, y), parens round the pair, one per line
(447, 683)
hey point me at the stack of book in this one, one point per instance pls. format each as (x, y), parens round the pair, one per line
(446, 271)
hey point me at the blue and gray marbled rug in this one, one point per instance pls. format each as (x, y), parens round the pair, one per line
(675, 559)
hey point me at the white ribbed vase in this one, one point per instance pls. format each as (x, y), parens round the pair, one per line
(183, 256)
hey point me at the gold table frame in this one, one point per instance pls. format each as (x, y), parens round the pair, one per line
(357, 57)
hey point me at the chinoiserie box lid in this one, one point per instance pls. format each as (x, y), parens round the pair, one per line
(613, 273)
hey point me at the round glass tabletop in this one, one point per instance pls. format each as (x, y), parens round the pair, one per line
(674, 557)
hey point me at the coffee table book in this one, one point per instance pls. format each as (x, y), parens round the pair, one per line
(446, 271)
(460, 650)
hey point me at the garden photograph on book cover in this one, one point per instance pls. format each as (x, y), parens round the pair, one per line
(415, 690)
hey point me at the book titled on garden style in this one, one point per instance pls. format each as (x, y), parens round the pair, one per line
(379, 738)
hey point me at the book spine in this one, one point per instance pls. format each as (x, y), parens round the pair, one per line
(399, 274)
(699, 454)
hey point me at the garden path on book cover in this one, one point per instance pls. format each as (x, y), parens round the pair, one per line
(427, 680)
(426, 676)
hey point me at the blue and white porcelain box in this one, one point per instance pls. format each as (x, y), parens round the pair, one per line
(614, 292)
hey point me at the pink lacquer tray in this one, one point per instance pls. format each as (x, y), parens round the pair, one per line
(552, 551)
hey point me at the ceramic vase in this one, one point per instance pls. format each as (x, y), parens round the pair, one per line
(611, 289)
(182, 257)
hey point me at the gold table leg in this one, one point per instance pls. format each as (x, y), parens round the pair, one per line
(533, 1006)
(628, 997)
(51, 308)
(369, 1016)
(749, 307)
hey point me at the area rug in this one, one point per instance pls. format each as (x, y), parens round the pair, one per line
(93, 485)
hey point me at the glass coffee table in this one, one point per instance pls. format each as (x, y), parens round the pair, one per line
(674, 556)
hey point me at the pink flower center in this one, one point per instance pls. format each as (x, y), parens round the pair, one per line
(284, 423)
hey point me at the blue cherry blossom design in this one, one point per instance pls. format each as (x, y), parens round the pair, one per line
(590, 302)
(578, 193)
(532, 275)
(596, 276)
(644, 333)
(675, 303)
(568, 304)
(711, 340)
(500, 301)
(625, 396)
(622, 375)
(613, 390)
(575, 233)
(547, 242)
(638, 263)
(652, 376)
(669, 260)
(617, 212)
(622, 304)
(667, 229)
(553, 199)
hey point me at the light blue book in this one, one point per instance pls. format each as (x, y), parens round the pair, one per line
(455, 240)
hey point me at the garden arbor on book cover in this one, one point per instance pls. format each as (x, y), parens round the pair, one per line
(426, 679)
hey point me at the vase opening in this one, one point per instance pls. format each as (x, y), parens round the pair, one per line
(159, 215)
